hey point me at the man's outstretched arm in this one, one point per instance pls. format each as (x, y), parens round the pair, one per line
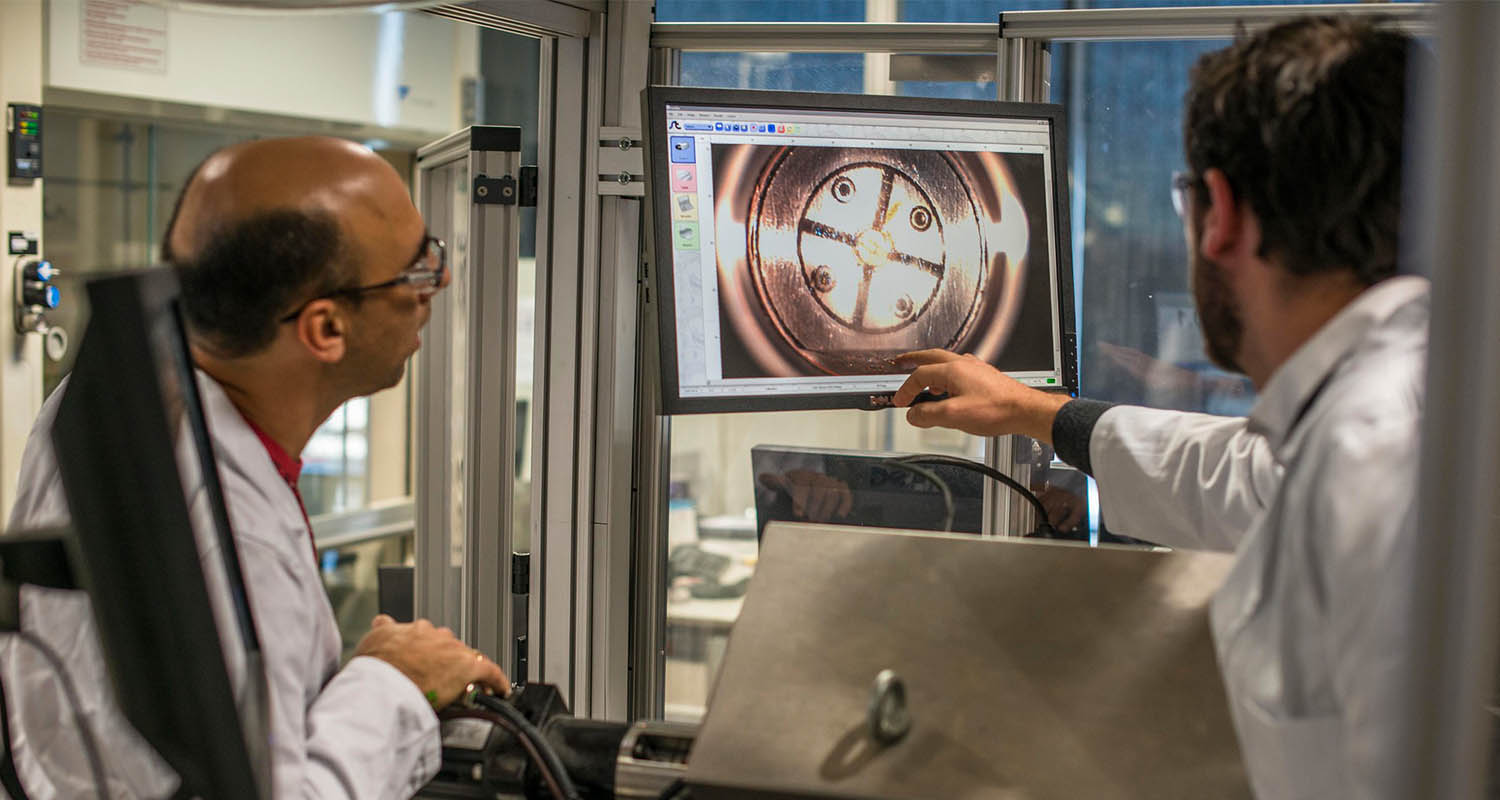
(1171, 477)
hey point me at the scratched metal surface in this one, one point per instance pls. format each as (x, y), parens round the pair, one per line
(1034, 670)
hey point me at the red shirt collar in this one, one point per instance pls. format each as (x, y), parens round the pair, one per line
(289, 468)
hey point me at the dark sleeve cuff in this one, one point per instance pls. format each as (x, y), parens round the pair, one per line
(1072, 429)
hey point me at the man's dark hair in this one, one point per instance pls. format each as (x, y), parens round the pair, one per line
(256, 270)
(1305, 120)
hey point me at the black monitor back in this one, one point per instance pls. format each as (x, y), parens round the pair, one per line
(128, 431)
(852, 487)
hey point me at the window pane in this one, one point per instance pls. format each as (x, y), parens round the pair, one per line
(1139, 340)
(760, 11)
(335, 463)
(808, 72)
(989, 10)
(349, 576)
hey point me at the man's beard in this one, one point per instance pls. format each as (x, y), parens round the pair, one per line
(1218, 312)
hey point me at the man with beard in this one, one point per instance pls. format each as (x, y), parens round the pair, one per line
(306, 278)
(1294, 141)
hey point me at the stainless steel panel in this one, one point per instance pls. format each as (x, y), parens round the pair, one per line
(1033, 670)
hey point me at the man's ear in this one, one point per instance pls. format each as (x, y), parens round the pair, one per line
(321, 328)
(1224, 218)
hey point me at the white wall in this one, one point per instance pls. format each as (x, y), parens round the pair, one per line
(20, 210)
(394, 70)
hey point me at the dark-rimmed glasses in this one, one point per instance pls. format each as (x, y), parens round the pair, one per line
(1181, 183)
(425, 274)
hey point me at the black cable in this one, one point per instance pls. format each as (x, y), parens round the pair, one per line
(536, 757)
(550, 760)
(1044, 525)
(932, 478)
(10, 778)
(90, 747)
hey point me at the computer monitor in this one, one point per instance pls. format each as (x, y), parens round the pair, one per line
(802, 241)
(851, 487)
(153, 540)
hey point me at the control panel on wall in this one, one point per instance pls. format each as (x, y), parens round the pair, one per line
(36, 293)
(23, 126)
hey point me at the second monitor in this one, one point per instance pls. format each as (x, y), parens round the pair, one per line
(803, 241)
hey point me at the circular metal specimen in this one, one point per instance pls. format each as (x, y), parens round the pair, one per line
(860, 255)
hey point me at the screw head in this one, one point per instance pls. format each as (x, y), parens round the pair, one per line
(921, 218)
(843, 189)
(822, 279)
(905, 307)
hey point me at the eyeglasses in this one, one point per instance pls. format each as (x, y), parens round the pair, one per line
(1181, 183)
(425, 274)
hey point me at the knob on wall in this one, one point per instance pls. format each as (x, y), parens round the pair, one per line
(35, 294)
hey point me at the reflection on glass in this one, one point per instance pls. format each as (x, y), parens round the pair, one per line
(1139, 341)
(349, 576)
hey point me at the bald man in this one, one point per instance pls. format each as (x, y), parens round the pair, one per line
(306, 276)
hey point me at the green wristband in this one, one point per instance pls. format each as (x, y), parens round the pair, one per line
(432, 698)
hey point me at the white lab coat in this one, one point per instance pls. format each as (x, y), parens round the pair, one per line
(364, 731)
(1316, 493)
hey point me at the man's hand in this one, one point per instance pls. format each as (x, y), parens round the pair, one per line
(981, 399)
(433, 658)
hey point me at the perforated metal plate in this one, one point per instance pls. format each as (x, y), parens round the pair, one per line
(866, 250)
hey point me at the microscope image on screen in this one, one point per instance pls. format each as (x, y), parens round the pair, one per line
(835, 260)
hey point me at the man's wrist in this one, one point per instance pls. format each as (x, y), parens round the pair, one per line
(1041, 410)
(1073, 429)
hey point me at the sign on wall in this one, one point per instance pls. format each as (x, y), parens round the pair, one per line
(125, 34)
(390, 69)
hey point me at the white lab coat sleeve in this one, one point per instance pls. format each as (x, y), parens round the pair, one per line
(1180, 479)
(1362, 541)
(367, 733)
(402, 729)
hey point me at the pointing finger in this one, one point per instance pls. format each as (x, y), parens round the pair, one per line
(922, 357)
(932, 377)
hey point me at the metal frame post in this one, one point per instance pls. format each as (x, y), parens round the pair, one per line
(1448, 711)
(465, 536)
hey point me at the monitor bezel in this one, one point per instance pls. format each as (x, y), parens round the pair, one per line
(655, 101)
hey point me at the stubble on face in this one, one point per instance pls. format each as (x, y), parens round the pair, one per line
(1218, 311)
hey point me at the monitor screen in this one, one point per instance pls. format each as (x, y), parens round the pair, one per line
(804, 241)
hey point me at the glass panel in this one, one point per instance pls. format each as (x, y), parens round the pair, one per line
(349, 576)
(760, 11)
(989, 10)
(1139, 339)
(335, 463)
(810, 72)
